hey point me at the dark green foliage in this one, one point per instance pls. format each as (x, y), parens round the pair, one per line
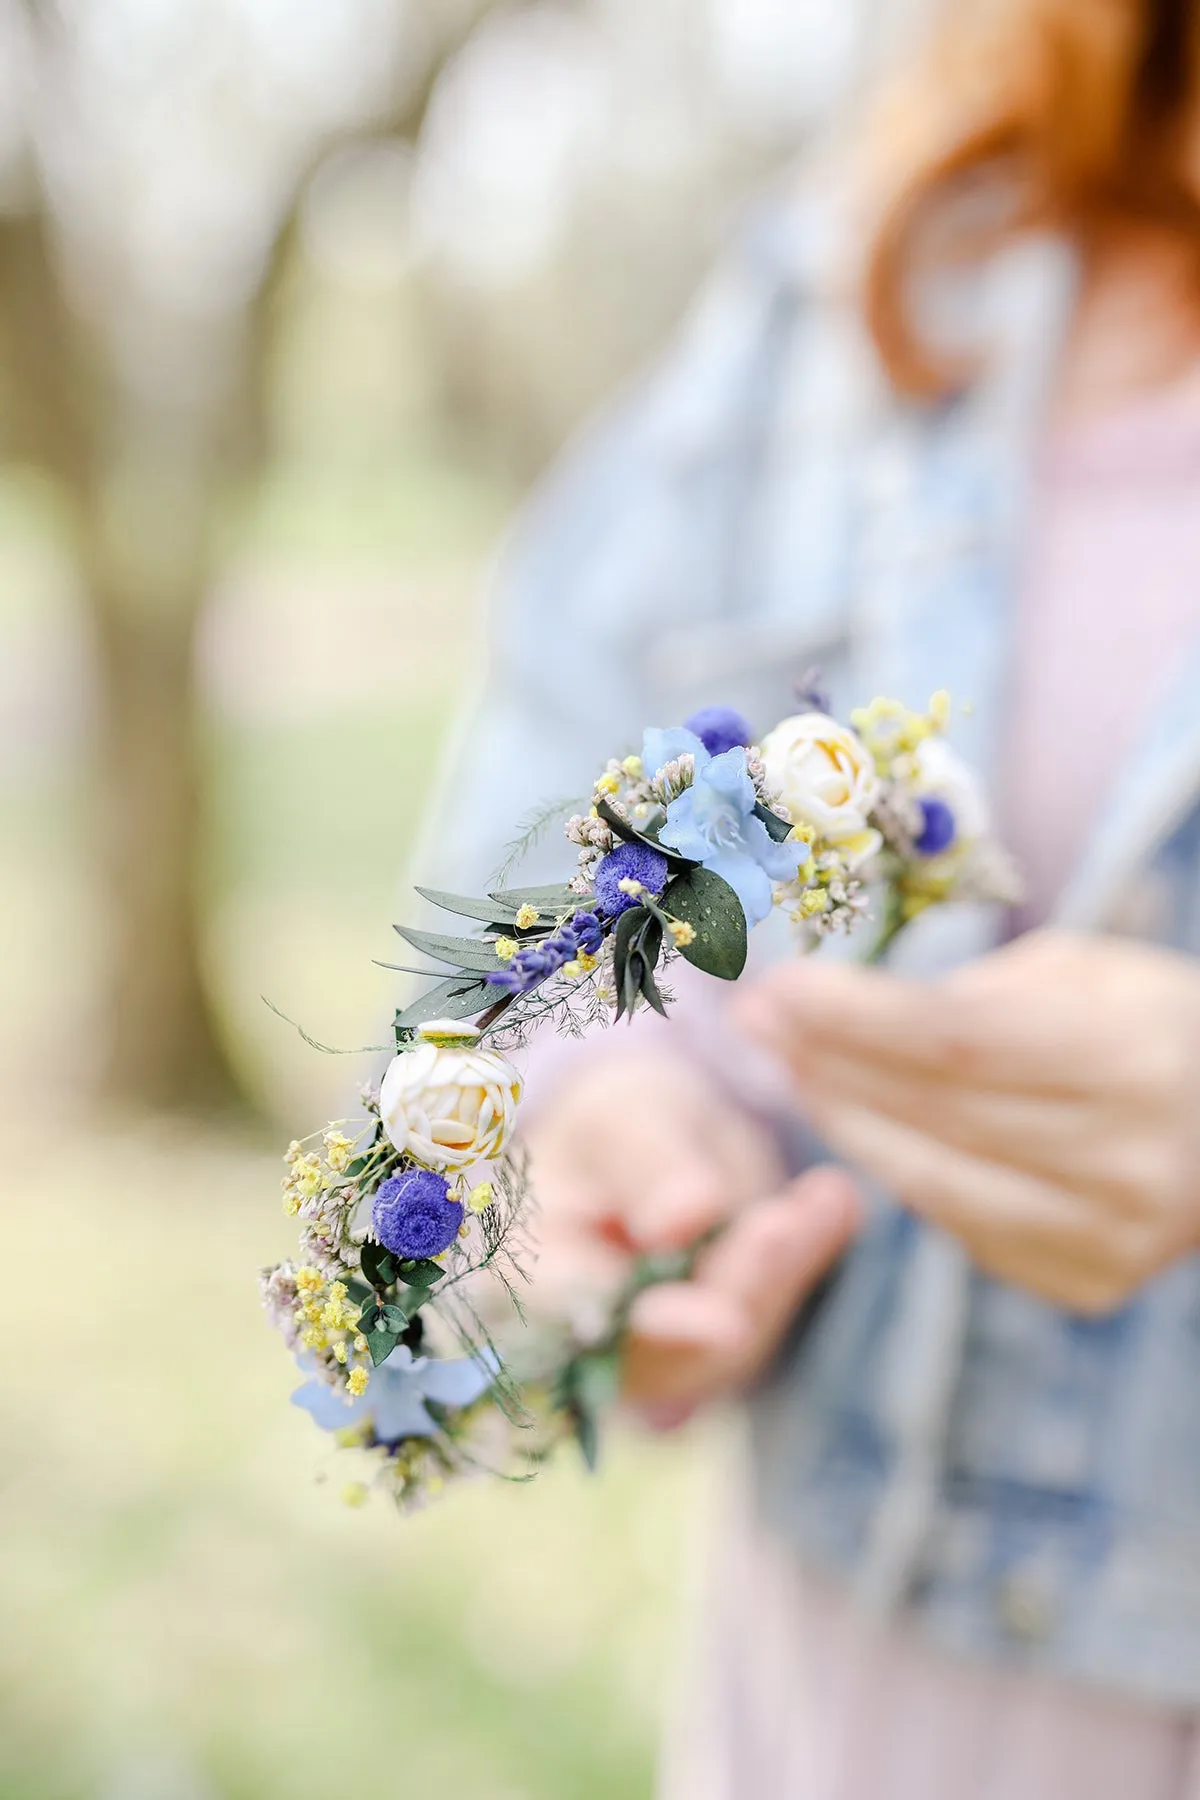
(379, 1266)
(777, 828)
(709, 905)
(622, 827)
(637, 946)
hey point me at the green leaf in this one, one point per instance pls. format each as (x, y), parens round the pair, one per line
(464, 952)
(382, 1327)
(378, 1264)
(455, 998)
(637, 945)
(628, 925)
(597, 1380)
(422, 1273)
(550, 901)
(587, 1436)
(488, 908)
(632, 835)
(708, 904)
(381, 1344)
(777, 828)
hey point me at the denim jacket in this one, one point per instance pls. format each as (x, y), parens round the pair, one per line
(1022, 1483)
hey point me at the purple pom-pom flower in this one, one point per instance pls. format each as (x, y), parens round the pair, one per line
(629, 862)
(720, 728)
(413, 1215)
(939, 827)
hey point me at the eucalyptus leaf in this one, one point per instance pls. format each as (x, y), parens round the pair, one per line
(549, 901)
(709, 905)
(488, 908)
(777, 828)
(423, 1273)
(463, 952)
(455, 998)
(381, 1344)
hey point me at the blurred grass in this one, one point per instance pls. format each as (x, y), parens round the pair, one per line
(179, 1587)
(190, 1612)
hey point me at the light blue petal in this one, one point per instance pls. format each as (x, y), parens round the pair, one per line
(661, 746)
(459, 1382)
(727, 776)
(682, 830)
(396, 1407)
(751, 885)
(781, 861)
(327, 1407)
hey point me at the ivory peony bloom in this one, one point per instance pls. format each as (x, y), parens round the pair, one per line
(449, 1102)
(826, 778)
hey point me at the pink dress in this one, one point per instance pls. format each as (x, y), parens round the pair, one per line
(792, 1693)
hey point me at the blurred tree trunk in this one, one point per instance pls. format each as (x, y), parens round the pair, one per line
(145, 477)
(141, 525)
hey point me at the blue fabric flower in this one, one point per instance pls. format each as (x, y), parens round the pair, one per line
(720, 728)
(939, 828)
(397, 1391)
(413, 1215)
(660, 747)
(712, 822)
(629, 862)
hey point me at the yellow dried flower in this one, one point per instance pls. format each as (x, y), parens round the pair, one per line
(337, 1151)
(309, 1176)
(682, 934)
(309, 1280)
(608, 783)
(527, 916)
(313, 1338)
(629, 886)
(291, 1202)
(506, 948)
(633, 766)
(340, 1351)
(357, 1383)
(360, 1344)
(354, 1493)
(480, 1198)
(813, 901)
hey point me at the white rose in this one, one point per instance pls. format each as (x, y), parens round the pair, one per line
(449, 1103)
(826, 778)
(943, 775)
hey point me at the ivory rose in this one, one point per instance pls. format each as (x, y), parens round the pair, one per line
(450, 1103)
(826, 778)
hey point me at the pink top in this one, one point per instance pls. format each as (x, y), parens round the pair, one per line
(1111, 595)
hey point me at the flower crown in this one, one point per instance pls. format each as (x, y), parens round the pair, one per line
(415, 1219)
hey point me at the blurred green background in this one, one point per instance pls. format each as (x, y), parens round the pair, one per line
(295, 302)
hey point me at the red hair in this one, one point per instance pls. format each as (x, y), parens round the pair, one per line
(1081, 104)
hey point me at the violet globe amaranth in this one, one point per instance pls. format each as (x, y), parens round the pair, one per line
(413, 1215)
(681, 849)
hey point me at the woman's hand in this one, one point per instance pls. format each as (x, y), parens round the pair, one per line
(640, 1150)
(1043, 1103)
